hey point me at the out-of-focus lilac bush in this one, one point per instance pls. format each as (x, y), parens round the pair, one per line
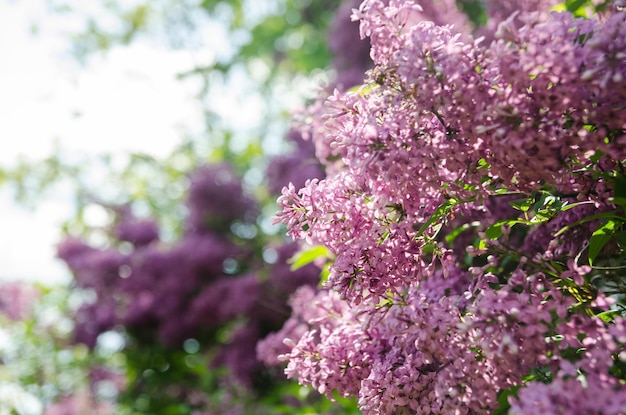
(191, 311)
(209, 293)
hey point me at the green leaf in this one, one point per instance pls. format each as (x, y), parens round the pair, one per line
(599, 238)
(482, 164)
(548, 204)
(620, 187)
(451, 236)
(619, 201)
(573, 205)
(522, 204)
(619, 192)
(325, 274)
(503, 400)
(609, 315)
(576, 7)
(306, 257)
(441, 211)
(363, 90)
(621, 239)
(495, 230)
(603, 215)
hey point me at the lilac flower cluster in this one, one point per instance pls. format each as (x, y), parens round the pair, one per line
(205, 282)
(216, 200)
(444, 127)
(17, 299)
(583, 386)
(446, 109)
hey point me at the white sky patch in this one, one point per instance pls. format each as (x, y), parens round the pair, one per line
(129, 100)
(126, 100)
(28, 241)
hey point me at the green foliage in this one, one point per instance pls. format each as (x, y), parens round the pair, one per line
(160, 380)
(582, 8)
(286, 37)
(29, 179)
(503, 400)
(309, 402)
(309, 255)
(475, 10)
(38, 354)
(289, 35)
(601, 236)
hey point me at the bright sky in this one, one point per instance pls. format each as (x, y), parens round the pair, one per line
(128, 100)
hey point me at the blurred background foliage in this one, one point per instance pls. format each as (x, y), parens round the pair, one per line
(276, 52)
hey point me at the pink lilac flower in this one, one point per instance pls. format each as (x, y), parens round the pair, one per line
(444, 125)
(17, 299)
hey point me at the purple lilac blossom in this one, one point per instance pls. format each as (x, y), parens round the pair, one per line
(166, 293)
(139, 232)
(350, 52)
(79, 404)
(449, 122)
(216, 198)
(440, 143)
(17, 299)
(350, 61)
(499, 11)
